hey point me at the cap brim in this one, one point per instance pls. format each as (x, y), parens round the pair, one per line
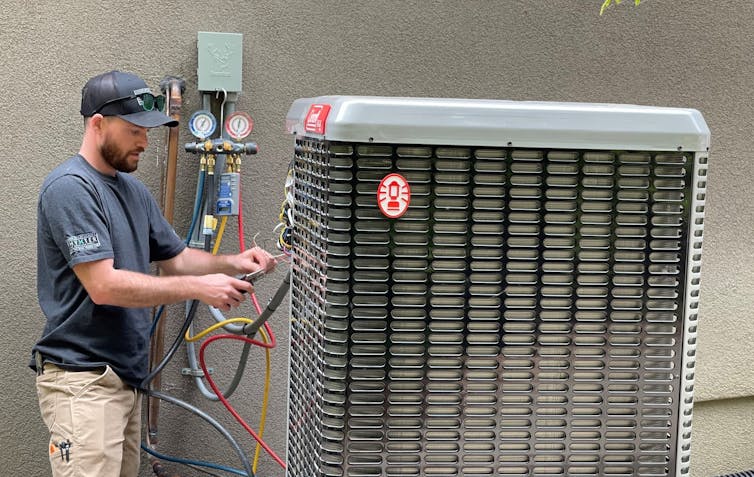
(149, 119)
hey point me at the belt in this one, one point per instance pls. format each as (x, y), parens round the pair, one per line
(39, 362)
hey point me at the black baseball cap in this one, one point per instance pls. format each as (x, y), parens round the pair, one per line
(121, 94)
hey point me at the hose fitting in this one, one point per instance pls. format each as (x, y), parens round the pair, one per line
(160, 471)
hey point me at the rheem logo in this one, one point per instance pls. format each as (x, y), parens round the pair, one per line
(393, 196)
(316, 118)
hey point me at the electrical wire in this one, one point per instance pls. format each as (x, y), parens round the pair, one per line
(225, 402)
(284, 242)
(222, 106)
(211, 421)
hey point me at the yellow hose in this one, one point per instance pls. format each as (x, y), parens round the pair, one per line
(212, 328)
(265, 338)
(265, 398)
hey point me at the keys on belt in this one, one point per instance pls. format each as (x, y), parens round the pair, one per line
(39, 363)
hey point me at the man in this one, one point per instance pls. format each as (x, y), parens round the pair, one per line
(98, 230)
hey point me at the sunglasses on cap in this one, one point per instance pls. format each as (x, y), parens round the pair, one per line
(147, 101)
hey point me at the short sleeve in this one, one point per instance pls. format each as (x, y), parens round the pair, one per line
(72, 215)
(164, 242)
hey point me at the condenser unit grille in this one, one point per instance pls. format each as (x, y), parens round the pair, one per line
(525, 317)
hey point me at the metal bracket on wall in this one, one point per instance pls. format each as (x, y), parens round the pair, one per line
(197, 373)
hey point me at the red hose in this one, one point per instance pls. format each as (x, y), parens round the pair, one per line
(225, 401)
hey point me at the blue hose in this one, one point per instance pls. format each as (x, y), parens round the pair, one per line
(197, 206)
(210, 420)
(199, 463)
(156, 319)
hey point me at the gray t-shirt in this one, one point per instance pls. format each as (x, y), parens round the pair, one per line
(84, 216)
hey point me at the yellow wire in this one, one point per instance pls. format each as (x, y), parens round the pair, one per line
(265, 399)
(220, 232)
(212, 328)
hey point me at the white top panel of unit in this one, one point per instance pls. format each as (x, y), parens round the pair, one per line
(498, 123)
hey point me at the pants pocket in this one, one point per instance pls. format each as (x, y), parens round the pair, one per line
(49, 389)
(79, 382)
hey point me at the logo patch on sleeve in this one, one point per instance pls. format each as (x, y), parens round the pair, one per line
(82, 242)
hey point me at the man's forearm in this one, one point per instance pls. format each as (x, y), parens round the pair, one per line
(133, 289)
(198, 262)
(107, 285)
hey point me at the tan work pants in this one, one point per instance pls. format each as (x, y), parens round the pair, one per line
(94, 420)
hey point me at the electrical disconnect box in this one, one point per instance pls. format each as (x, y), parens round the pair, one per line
(220, 61)
(496, 288)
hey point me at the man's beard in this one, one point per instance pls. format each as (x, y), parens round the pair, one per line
(118, 158)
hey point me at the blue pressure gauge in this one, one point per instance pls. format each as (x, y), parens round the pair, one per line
(202, 124)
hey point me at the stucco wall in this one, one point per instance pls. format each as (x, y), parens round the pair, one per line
(694, 53)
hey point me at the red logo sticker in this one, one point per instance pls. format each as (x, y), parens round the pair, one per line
(316, 117)
(393, 196)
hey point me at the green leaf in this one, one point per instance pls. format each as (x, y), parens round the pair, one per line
(607, 3)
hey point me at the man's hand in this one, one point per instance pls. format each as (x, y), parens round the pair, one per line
(255, 259)
(198, 262)
(222, 291)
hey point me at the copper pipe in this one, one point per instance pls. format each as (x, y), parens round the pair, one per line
(177, 87)
(174, 88)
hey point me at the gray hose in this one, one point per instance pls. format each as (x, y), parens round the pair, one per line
(745, 473)
(207, 393)
(211, 421)
(235, 328)
(248, 329)
(251, 329)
